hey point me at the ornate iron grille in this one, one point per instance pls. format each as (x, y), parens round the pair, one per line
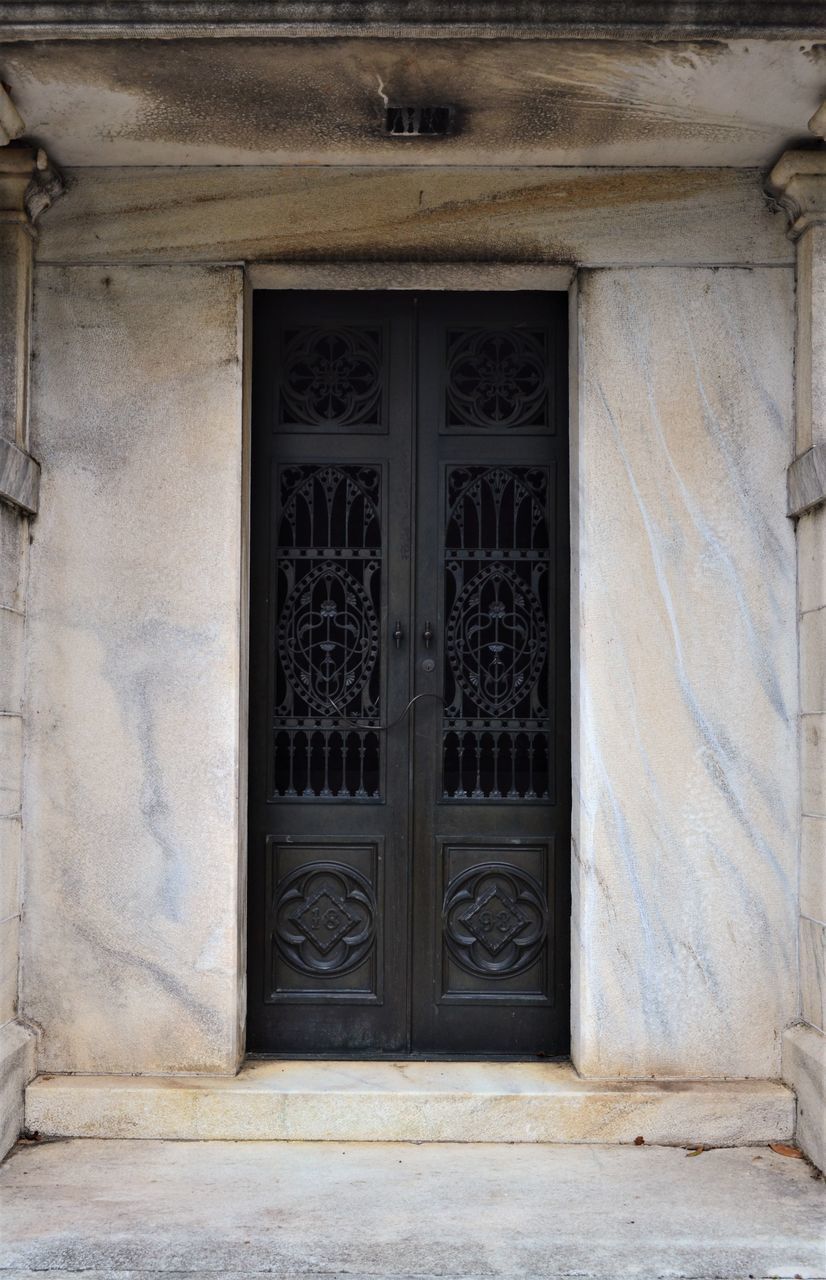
(497, 380)
(327, 640)
(497, 563)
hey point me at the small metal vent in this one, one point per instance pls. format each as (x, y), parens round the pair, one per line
(418, 122)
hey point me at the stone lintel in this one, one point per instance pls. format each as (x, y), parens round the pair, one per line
(806, 481)
(19, 477)
(798, 184)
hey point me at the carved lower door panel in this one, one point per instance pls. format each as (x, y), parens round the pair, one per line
(409, 686)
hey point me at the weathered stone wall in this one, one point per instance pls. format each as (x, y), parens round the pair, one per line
(131, 959)
(685, 700)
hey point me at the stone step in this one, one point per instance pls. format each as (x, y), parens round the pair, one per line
(411, 1102)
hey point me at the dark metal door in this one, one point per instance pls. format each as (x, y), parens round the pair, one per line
(409, 702)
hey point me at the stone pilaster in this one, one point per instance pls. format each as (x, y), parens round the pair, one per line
(798, 183)
(28, 184)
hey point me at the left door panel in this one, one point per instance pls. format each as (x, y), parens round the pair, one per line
(329, 580)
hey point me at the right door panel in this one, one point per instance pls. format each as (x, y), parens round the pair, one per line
(491, 746)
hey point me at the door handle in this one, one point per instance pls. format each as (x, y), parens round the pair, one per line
(398, 635)
(427, 635)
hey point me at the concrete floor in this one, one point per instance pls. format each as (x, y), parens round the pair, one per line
(140, 1209)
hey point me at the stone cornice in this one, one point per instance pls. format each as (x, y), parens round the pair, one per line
(29, 183)
(712, 18)
(798, 184)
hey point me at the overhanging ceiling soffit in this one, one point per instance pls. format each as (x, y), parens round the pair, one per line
(559, 83)
(270, 100)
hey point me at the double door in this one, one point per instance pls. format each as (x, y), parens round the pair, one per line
(409, 705)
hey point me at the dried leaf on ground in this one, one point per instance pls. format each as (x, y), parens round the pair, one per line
(696, 1151)
(784, 1149)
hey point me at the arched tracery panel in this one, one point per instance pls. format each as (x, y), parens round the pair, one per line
(497, 561)
(327, 660)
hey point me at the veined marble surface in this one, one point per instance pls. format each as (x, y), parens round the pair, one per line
(685, 774)
(131, 953)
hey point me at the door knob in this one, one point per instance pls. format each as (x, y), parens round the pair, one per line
(427, 635)
(398, 634)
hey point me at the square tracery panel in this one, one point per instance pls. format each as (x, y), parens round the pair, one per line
(332, 379)
(498, 380)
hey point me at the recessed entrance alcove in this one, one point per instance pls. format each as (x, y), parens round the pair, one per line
(405, 718)
(535, 1101)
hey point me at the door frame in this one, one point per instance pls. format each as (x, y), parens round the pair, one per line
(380, 276)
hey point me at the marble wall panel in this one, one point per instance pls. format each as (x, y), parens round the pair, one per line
(13, 541)
(813, 868)
(11, 660)
(810, 352)
(11, 764)
(9, 959)
(811, 559)
(813, 972)
(685, 689)
(10, 844)
(813, 763)
(813, 661)
(130, 951)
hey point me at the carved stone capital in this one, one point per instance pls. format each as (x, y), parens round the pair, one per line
(29, 183)
(798, 184)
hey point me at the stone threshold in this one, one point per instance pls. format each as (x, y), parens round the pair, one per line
(411, 1102)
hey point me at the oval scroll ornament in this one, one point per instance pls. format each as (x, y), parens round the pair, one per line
(325, 919)
(495, 920)
(497, 639)
(328, 637)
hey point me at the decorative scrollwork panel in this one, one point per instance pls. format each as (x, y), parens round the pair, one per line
(497, 569)
(327, 650)
(497, 380)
